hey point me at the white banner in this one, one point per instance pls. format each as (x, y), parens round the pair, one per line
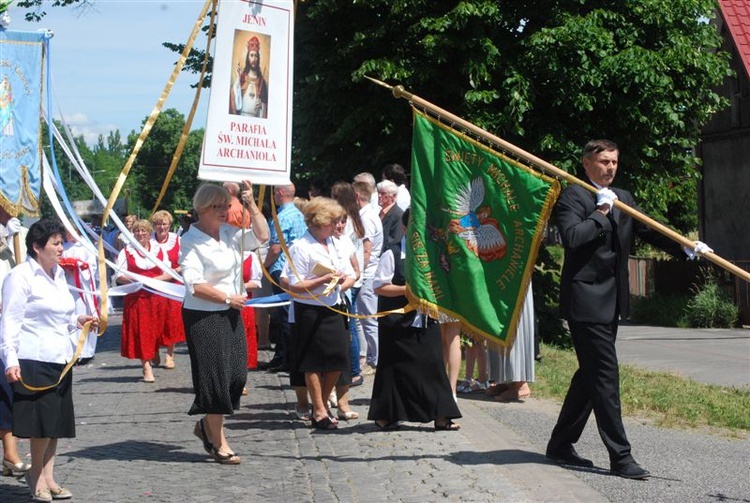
(249, 127)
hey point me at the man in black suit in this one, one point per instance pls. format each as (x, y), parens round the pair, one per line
(594, 294)
(390, 216)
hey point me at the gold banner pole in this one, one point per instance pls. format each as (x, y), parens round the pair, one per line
(134, 153)
(17, 247)
(191, 114)
(400, 92)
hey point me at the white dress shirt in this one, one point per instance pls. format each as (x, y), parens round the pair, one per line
(218, 263)
(373, 233)
(403, 198)
(39, 320)
(305, 253)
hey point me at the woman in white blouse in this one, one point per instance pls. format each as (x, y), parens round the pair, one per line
(317, 275)
(37, 339)
(211, 261)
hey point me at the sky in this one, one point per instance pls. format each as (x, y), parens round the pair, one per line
(109, 67)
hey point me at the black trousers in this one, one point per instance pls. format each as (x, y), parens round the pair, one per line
(595, 386)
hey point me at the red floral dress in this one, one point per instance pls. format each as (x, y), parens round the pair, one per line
(172, 330)
(141, 315)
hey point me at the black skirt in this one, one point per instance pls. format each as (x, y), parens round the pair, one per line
(321, 340)
(411, 383)
(218, 359)
(43, 414)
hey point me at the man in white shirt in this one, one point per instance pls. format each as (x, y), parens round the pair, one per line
(370, 181)
(367, 301)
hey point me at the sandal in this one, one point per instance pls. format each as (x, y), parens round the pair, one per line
(465, 386)
(323, 424)
(169, 363)
(496, 389)
(384, 425)
(200, 432)
(514, 394)
(358, 380)
(303, 413)
(332, 416)
(479, 386)
(60, 493)
(448, 425)
(229, 458)
(348, 415)
(333, 401)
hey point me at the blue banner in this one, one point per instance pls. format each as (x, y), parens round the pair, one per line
(21, 76)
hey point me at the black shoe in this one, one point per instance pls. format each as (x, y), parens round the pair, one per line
(278, 368)
(275, 362)
(631, 471)
(568, 456)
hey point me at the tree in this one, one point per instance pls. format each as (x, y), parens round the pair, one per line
(547, 75)
(152, 164)
(36, 8)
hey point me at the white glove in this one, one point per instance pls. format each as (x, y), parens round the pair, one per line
(698, 249)
(14, 226)
(605, 196)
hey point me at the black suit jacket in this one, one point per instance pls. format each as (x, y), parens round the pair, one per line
(594, 285)
(393, 230)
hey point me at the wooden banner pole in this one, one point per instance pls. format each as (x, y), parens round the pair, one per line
(400, 92)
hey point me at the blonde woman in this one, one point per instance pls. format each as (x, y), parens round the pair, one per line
(320, 276)
(142, 317)
(173, 332)
(215, 295)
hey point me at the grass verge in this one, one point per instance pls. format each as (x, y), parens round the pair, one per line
(665, 398)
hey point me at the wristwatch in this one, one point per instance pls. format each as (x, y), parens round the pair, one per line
(227, 301)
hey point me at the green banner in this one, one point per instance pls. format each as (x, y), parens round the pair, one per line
(476, 222)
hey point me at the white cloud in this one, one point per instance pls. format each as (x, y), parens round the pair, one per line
(80, 124)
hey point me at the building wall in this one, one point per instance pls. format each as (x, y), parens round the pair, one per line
(724, 197)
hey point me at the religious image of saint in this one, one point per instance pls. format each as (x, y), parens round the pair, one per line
(248, 94)
(6, 108)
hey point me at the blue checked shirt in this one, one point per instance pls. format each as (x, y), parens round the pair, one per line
(293, 227)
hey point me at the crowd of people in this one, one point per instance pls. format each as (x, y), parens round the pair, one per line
(340, 256)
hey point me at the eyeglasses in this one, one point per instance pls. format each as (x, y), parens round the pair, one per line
(221, 207)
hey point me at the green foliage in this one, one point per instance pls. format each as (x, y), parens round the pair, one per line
(661, 310)
(669, 400)
(104, 162)
(546, 75)
(152, 165)
(36, 7)
(711, 307)
(546, 282)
